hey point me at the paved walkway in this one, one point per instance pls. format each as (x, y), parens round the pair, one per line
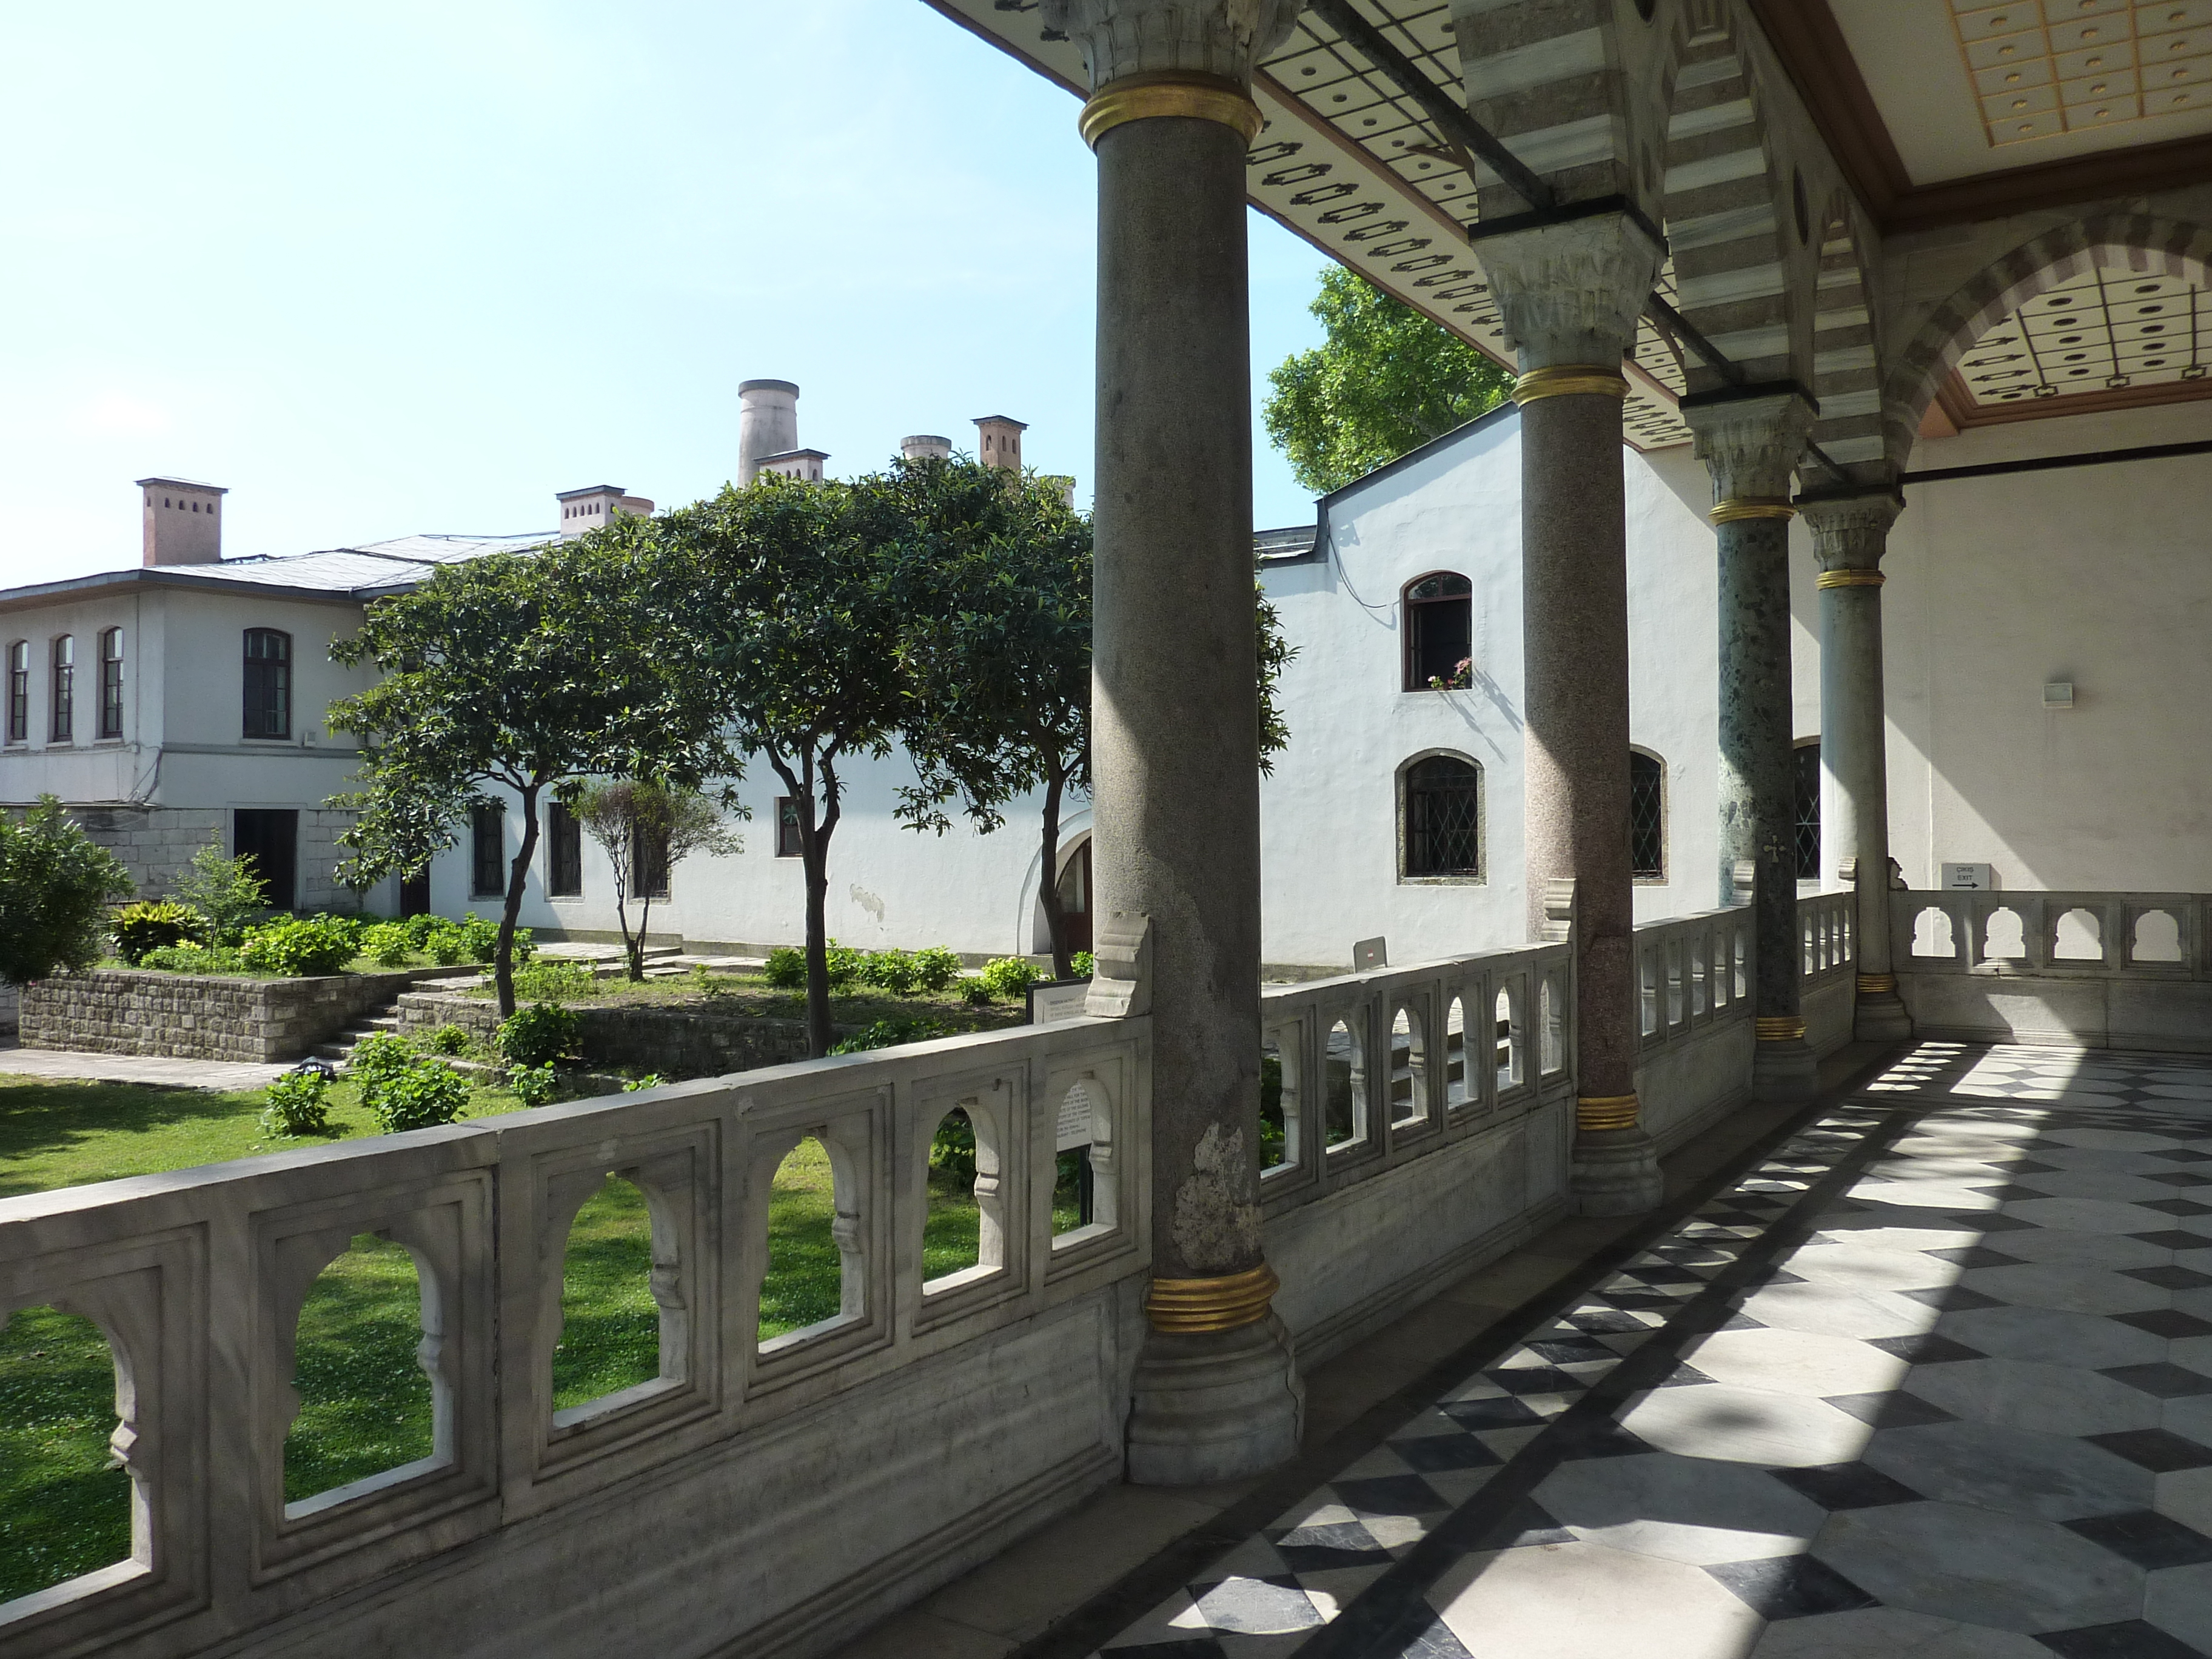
(137, 1068)
(1930, 1376)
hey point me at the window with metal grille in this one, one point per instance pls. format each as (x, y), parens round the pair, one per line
(649, 863)
(487, 850)
(1439, 629)
(111, 683)
(63, 728)
(267, 683)
(19, 691)
(1444, 817)
(1647, 817)
(1808, 809)
(786, 827)
(564, 838)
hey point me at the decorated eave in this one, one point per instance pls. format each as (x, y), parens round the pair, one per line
(1350, 162)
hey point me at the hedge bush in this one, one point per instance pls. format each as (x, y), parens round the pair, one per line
(542, 1032)
(1009, 976)
(299, 947)
(388, 944)
(428, 1093)
(889, 1034)
(150, 926)
(299, 1104)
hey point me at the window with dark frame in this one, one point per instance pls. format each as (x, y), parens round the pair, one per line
(648, 864)
(787, 828)
(111, 683)
(267, 683)
(564, 840)
(1808, 809)
(19, 691)
(1444, 817)
(63, 728)
(487, 852)
(1647, 817)
(1439, 629)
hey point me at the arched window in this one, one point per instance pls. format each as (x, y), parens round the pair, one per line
(1647, 816)
(1808, 809)
(267, 683)
(111, 683)
(19, 691)
(1439, 629)
(63, 728)
(1440, 819)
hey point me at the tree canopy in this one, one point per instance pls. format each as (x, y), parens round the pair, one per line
(1385, 380)
(524, 670)
(646, 828)
(55, 883)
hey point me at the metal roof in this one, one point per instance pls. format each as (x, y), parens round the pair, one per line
(341, 572)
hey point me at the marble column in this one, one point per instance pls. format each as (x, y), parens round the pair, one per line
(1749, 441)
(1176, 712)
(1849, 535)
(1569, 292)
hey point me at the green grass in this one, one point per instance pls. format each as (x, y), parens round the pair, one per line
(751, 996)
(365, 1402)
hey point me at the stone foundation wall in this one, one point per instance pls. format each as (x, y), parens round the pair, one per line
(683, 1042)
(127, 1012)
(11, 1007)
(156, 844)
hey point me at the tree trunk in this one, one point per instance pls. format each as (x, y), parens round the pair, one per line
(636, 948)
(1055, 914)
(518, 877)
(814, 855)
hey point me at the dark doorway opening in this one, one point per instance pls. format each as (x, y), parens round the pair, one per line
(415, 893)
(1075, 898)
(270, 837)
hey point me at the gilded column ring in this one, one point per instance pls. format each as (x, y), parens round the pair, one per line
(1601, 1112)
(1169, 92)
(1849, 578)
(1180, 1306)
(1779, 1028)
(1752, 507)
(1874, 985)
(1565, 379)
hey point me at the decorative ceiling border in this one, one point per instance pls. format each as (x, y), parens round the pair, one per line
(1964, 413)
(1810, 43)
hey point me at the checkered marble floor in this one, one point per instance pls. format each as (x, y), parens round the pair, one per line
(1933, 1379)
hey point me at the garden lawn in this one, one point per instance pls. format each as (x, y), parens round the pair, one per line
(365, 1403)
(753, 997)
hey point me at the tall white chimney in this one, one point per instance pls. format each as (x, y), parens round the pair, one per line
(768, 424)
(924, 446)
(184, 521)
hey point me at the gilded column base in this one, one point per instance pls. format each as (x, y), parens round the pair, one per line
(1880, 1014)
(1783, 1064)
(1213, 1405)
(1614, 1171)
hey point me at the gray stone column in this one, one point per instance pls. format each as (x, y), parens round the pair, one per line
(1175, 712)
(1849, 535)
(1569, 292)
(1749, 441)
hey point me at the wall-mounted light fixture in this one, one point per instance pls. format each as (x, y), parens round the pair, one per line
(2059, 694)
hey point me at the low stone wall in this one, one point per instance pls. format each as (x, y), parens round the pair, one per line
(695, 1040)
(11, 1008)
(185, 1017)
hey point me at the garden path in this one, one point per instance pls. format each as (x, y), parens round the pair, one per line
(139, 1068)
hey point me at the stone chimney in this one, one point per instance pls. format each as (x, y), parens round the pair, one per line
(926, 447)
(768, 425)
(999, 441)
(583, 510)
(184, 521)
(795, 464)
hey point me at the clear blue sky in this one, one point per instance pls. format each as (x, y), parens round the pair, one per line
(415, 266)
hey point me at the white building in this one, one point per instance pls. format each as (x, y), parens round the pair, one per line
(195, 687)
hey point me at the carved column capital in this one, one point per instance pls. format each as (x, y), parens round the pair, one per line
(1751, 444)
(1850, 532)
(1221, 38)
(1570, 292)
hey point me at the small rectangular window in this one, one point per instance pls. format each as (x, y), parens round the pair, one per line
(267, 683)
(648, 865)
(787, 828)
(19, 691)
(63, 729)
(565, 852)
(111, 683)
(487, 853)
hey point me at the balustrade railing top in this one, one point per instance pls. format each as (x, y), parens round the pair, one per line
(2148, 936)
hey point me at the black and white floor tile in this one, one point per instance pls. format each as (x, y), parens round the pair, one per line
(1933, 1379)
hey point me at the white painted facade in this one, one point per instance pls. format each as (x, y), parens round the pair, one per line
(2095, 575)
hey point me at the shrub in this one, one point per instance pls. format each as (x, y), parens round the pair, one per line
(553, 981)
(225, 891)
(419, 928)
(1083, 965)
(952, 1148)
(889, 1034)
(708, 983)
(444, 944)
(376, 1059)
(55, 888)
(534, 1086)
(299, 1104)
(480, 941)
(1009, 976)
(428, 1092)
(976, 993)
(650, 1080)
(299, 947)
(889, 971)
(143, 927)
(785, 969)
(542, 1032)
(449, 1039)
(935, 969)
(387, 945)
(843, 962)
(195, 959)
